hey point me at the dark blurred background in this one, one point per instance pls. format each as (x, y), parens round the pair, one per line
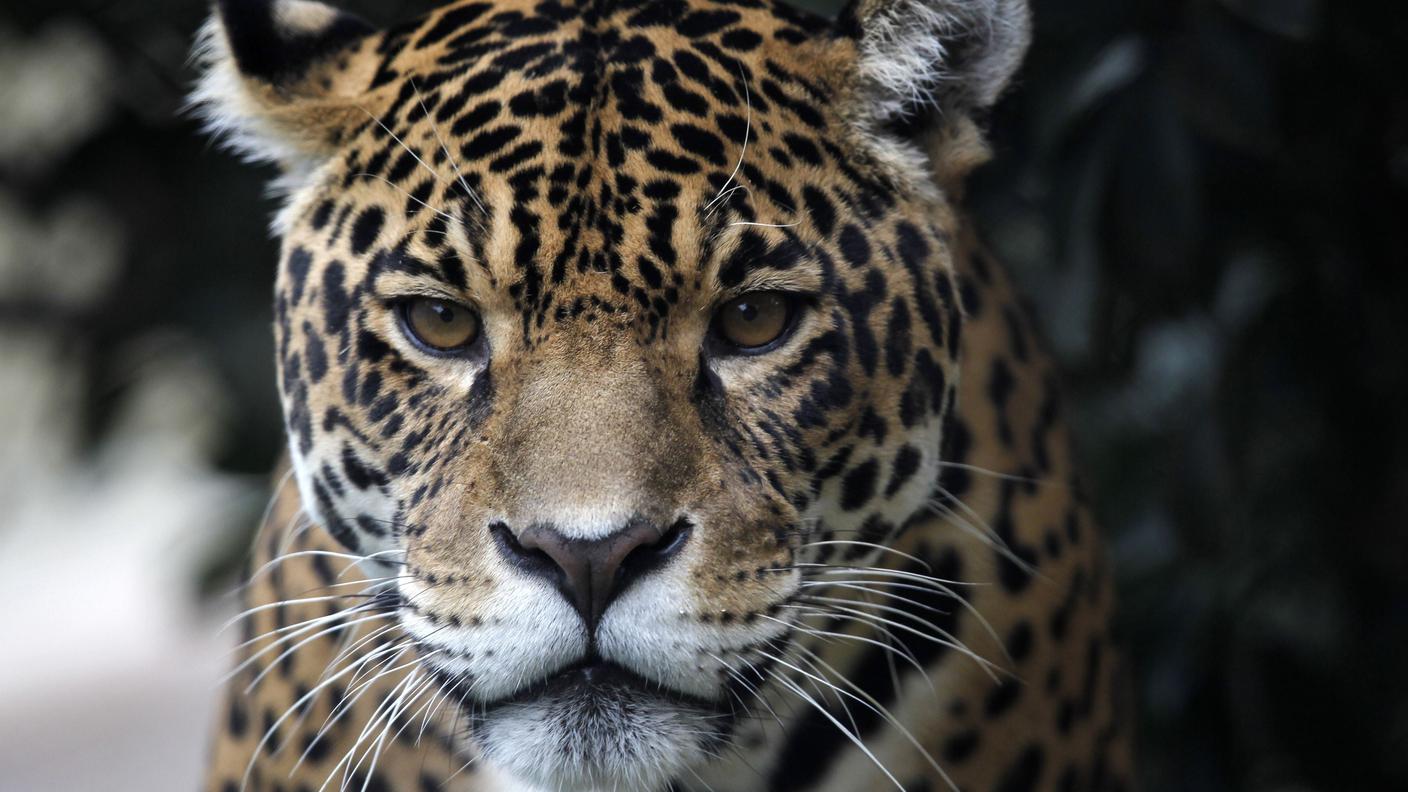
(1207, 201)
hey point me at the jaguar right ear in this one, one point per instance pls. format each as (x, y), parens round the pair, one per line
(924, 69)
(949, 56)
(283, 80)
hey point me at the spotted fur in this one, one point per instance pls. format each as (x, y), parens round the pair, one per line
(884, 573)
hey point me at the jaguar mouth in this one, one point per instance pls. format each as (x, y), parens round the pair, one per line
(591, 681)
(596, 724)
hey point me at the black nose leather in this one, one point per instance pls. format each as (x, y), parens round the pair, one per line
(591, 572)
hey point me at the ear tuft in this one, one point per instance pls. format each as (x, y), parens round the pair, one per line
(280, 79)
(920, 56)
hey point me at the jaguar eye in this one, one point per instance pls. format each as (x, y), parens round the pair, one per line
(440, 325)
(753, 322)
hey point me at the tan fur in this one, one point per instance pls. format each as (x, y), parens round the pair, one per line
(961, 686)
(594, 415)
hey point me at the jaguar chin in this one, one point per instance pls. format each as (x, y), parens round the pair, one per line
(597, 725)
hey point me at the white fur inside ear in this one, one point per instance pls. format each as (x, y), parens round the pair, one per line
(917, 54)
(234, 111)
(303, 16)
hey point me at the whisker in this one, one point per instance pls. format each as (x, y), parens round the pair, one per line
(272, 728)
(938, 583)
(454, 163)
(885, 713)
(747, 132)
(295, 647)
(403, 699)
(1041, 482)
(847, 586)
(285, 557)
(398, 188)
(281, 603)
(889, 648)
(298, 626)
(749, 686)
(274, 496)
(944, 639)
(383, 673)
(387, 655)
(308, 624)
(764, 225)
(872, 545)
(855, 740)
(433, 173)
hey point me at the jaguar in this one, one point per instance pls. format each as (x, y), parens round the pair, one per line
(656, 420)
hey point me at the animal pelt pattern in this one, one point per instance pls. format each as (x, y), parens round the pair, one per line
(868, 562)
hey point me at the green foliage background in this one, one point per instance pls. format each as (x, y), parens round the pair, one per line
(1207, 201)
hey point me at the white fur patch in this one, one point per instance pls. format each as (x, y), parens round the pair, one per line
(303, 16)
(916, 52)
(235, 110)
(230, 111)
(949, 56)
(625, 742)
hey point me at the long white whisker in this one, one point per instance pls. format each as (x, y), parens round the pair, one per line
(937, 583)
(856, 741)
(269, 511)
(348, 757)
(885, 713)
(264, 740)
(295, 647)
(386, 655)
(402, 190)
(271, 605)
(454, 163)
(889, 648)
(303, 627)
(848, 586)
(872, 545)
(757, 693)
(434, 173)
(763, 225)
(943, 640)
(1041, 482)
(747, 132)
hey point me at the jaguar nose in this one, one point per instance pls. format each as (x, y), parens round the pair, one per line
(590, 573)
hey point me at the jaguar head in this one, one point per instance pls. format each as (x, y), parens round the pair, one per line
(602, 326)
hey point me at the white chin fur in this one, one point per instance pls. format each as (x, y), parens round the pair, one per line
(630, 741)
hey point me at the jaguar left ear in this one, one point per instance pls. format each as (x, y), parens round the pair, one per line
(282, 80)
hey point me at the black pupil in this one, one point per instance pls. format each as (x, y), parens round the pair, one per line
(445, 312)
(747, 311)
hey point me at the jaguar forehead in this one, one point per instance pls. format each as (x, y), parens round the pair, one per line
(501, 152)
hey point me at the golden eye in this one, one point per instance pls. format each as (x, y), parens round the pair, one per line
(441, 325)
(753, 321)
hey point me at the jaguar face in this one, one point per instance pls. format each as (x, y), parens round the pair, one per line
(598, 326)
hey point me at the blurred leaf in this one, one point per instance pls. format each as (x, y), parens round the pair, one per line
(1062, 110)
(1293, 19)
